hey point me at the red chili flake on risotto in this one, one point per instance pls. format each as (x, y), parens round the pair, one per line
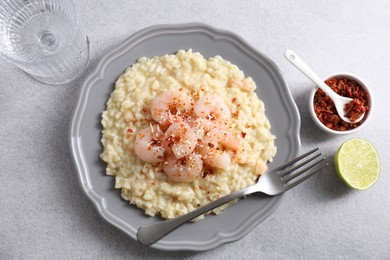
(326, 110)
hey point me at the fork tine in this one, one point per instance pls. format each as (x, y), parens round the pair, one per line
(299, 165)
(296, 159)
(296, 174)
(293, 184)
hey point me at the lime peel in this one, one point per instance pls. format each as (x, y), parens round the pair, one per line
(357, 163)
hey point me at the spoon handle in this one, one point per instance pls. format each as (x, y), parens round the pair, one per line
(302, 66)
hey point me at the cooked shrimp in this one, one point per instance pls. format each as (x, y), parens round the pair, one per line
(169, 106)
(213, 108)
(186, 169)
(213, 145)
(200, 126)
(180, 139)
(147, 147)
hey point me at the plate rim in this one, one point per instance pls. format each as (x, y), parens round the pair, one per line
(98, 73)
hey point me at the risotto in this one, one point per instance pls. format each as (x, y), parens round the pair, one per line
(180, 131)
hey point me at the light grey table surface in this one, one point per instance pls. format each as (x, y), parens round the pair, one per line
(45, 215)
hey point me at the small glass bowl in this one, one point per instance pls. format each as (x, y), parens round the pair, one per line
(331, 131)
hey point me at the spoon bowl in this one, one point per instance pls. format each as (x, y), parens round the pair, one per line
(339, 101)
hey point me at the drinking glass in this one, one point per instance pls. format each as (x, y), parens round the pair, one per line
(44, 38)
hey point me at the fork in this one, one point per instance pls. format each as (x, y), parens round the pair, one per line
(273, 182)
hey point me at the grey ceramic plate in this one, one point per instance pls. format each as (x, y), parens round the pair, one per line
(85, 131)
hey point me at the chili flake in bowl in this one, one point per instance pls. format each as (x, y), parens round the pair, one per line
(323, 110)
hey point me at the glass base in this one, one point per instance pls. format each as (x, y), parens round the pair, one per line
(58, 80)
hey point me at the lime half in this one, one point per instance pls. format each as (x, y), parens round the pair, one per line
(357, 163)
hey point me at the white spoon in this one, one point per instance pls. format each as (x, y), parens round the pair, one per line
(338, 100)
